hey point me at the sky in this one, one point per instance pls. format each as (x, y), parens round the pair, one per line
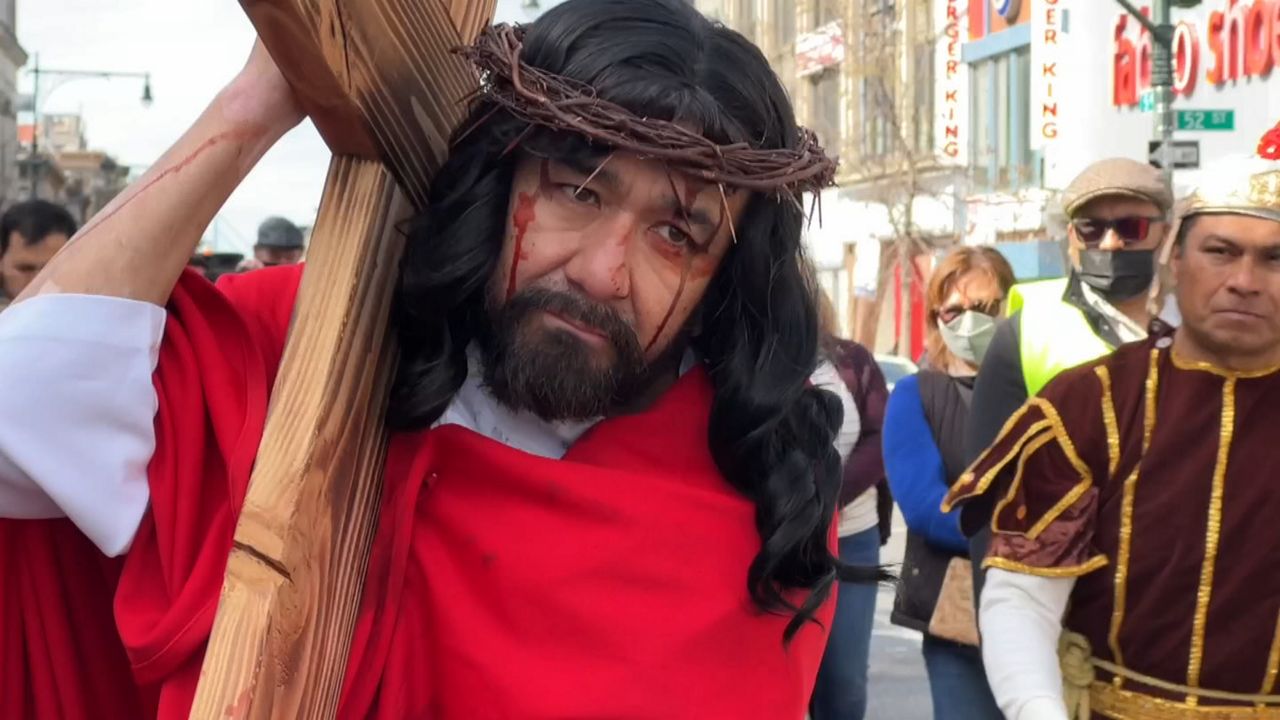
(192, 48)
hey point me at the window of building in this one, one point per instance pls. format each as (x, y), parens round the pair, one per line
(922, 89)
(827, 109)
(784, 22)
(1000, 150)
(877, 106)
(826, 11)
(746, 17)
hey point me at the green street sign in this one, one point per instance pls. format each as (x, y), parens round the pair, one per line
(1206, 119)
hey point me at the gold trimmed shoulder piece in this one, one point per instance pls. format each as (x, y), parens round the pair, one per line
(1030, 429)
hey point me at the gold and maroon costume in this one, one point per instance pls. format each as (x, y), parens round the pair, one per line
(1156, 483)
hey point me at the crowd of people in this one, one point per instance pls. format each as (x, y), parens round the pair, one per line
(633, 471)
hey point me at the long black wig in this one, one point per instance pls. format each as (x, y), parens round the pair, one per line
(770, 434)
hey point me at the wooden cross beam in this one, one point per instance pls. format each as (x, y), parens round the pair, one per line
(384, 91)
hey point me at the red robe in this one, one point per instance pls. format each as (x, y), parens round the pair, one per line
(609, 584)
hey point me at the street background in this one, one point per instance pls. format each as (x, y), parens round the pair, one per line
(898, 689)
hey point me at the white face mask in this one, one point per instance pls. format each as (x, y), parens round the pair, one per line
(968, 335)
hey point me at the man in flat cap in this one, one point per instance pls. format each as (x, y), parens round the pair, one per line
(1117, 210)
(280, 242)
(1139, 491)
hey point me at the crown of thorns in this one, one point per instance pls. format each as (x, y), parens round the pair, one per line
(542, 98)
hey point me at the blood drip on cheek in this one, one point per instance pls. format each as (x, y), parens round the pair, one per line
(675, 301)
(524, 215)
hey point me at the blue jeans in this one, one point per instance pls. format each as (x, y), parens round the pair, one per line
(957, 682)
(841, 690)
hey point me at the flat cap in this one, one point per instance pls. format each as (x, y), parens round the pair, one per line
(277, 232)
(1117, 176)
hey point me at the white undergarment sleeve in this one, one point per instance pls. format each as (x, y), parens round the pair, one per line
(77, 412)
(1021, 620)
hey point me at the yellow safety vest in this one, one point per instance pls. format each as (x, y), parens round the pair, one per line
(1054, 335)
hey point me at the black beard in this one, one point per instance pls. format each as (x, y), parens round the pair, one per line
(551, 372)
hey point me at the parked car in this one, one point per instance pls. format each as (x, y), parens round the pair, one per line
(895, 368)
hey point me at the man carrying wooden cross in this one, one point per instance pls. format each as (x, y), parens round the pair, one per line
(609, 489)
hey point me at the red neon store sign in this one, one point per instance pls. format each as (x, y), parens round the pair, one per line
(1243, 41)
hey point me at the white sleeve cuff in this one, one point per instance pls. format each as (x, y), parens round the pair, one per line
(77, 411)
(1021, 620)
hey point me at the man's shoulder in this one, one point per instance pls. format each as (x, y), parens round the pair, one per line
(1127, 362)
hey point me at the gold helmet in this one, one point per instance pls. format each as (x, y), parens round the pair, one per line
(1243, 185)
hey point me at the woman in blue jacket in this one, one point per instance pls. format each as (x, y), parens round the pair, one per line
(923, 454)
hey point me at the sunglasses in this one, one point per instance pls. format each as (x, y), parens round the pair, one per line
(1130, 230)
(991, 308)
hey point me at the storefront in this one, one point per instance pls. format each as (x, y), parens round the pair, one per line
(1056, 84)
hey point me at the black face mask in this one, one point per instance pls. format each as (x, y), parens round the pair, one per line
(1118, 275)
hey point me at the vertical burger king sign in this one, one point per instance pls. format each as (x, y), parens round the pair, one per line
(951, 94)
(1046, 70)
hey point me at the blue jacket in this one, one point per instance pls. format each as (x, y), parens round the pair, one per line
(915, 469)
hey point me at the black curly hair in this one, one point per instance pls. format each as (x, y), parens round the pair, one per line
(770, 433)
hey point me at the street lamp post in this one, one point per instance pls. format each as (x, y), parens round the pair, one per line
(36, 72)
(1161, 28)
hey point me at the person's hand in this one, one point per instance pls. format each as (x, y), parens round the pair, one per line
(260, 94)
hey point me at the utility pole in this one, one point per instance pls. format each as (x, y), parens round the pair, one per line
(1162, 85)
(1160, 26)
(36, 71)
(34, 158)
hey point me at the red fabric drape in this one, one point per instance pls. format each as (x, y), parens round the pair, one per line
(501, 585)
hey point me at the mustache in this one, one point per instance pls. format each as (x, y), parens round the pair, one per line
(581, 310)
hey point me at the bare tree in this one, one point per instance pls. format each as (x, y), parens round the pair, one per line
(897, 160)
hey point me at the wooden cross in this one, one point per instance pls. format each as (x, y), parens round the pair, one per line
(380, 84)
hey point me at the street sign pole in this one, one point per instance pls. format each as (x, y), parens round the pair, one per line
(1162, 83)
(1161, 76)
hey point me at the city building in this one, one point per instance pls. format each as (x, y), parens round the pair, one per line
(12, 57)
(62, 132)
(66, 170)
(1056, 84)
(864, 74)
(962, 121)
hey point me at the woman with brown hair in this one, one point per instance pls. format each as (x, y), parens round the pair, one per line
(924, 432)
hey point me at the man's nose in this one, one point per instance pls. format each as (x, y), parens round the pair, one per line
(1244, 279)
(599, 266)
(1111, 241)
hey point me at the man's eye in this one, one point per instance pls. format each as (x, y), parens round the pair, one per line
(676, 236)
(579, 194)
